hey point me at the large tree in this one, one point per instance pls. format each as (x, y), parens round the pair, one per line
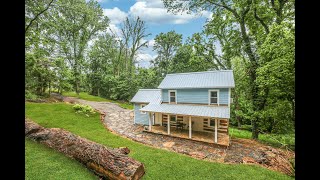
(252, 20)
(76, 23)
(131, 40)
(166, 44)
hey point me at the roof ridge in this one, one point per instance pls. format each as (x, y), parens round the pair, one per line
(200, 72)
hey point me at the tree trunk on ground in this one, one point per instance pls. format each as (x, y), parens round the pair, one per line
(106, 162)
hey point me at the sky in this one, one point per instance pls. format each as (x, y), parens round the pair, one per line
(157, 20)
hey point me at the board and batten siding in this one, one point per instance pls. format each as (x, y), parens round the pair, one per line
(138, 117)
(197, 96)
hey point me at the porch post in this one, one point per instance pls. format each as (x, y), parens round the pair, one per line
(216, 130)
(168, 125)
(190, 130)
(150, 125)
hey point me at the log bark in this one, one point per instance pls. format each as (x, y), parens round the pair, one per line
(106, 162)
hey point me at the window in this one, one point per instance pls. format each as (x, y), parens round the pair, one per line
(173, 119)
(142, 112)
(212, 122)
(172, 96)
(213, 97)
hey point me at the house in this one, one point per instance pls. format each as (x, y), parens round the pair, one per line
(193, 105)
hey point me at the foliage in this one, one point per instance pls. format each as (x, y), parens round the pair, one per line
(86, 96)
(276, 140)
(84, 109)
(68, 49)
(166, 44)
(159, 164)
(30, 95)
(42, 162)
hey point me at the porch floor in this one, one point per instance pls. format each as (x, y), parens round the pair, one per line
(223, 138)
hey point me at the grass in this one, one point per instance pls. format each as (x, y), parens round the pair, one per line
(88, 97)
(159, 164)
(45, 163)
(270, 139)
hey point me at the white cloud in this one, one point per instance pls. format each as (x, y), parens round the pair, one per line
(143, 59)
(151, 43)
(153, 11)
(115, 15)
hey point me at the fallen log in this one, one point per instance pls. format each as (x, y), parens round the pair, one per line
(106, 162)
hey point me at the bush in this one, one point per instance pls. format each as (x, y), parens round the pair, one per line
(84, 109)
(30, 96)
(246, 127)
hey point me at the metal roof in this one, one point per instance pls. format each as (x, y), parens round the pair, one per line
(206, 79)
(192, 110)
(152, 96)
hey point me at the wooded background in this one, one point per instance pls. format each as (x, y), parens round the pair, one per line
(68, 49)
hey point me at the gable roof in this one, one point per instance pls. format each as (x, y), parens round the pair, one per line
(206, 79)
(152, 96)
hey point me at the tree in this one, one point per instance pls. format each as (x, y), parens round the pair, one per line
(34, 9)
(276, 74)
(166, 45)
(253, 19)
(102, 62)
(133, 32)
(76, 23)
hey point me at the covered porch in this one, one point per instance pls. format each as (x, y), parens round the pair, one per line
(200, 123)
(222, 138)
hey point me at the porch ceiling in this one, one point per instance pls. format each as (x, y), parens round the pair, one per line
(191, 110)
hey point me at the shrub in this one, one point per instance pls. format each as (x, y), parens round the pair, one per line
(84, 109)
(30, 96)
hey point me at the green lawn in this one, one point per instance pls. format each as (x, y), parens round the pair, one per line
(159, 164)
(270, 139)
(86, 96)
(43, 162)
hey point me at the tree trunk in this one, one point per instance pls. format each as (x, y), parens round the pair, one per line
(106, 162)
(49, 88)
(255, 132)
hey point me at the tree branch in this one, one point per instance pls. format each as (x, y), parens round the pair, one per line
(223, 5)
(266, 28)
(26, 29)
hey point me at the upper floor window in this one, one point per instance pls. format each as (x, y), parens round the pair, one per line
(213, 97)
(172, 96)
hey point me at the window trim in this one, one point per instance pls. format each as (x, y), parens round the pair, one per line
(142, 112)
(175, 91)
(209, 96)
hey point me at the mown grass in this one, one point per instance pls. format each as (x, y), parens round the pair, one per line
(276, 140)
(45, 163)
(159, 164)
(88, 97)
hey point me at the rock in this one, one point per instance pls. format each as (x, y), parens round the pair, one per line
(197, 155)
(247, 160)
(168, 144)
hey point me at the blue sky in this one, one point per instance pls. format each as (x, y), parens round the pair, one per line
(157, 20)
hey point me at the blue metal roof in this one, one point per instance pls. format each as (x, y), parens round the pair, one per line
(206, 79)
(192, 110)
(152, 96)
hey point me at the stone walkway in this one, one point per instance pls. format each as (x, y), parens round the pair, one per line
(247, 151)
